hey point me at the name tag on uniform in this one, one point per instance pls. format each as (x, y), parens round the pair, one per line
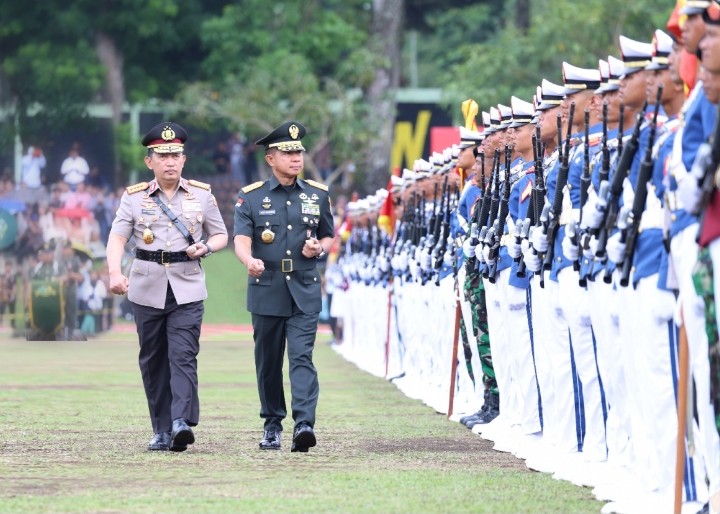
(311, 208)
(268, 212)
(191, 205)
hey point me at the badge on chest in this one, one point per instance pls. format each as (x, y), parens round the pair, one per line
(308, 205)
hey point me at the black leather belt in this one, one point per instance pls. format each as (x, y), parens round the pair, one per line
(290, 265)
(161, 256)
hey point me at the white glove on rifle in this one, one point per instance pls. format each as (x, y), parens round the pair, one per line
(571, 251)
(486, 256)
(539, 241)
(468, 248)
(532, 261)
(514, 249)
(589, 252)
(593, 213)
(616, 249)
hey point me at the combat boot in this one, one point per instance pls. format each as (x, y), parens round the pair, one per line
(464, 420)
(493, 409)
(474, 419)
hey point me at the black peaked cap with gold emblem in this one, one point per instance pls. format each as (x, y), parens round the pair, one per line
(286, 138)
(165, 137)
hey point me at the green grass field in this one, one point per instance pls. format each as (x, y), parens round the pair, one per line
(74, 430)
(75, 426)
(227, 286)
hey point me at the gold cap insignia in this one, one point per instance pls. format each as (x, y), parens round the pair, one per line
(294, 131)
(168, 134)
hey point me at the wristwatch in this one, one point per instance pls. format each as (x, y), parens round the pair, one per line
(209, 250)
(321, 254)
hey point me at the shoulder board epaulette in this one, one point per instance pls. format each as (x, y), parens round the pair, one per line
(199, 184)
(595, 140)
(252, 187)
(317, 184)
(136, 188)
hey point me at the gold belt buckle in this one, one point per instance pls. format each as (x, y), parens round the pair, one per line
(286, 265)
(162, 259)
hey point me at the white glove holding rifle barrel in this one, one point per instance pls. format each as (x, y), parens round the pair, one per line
(615, 247)
(571, 251)
(532, 261)
(593, 212)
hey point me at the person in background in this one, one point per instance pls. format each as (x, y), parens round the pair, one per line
(74, 168)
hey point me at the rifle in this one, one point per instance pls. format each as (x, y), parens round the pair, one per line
(495, 201)
(437, 213)
(556, 209)
(502, 216)
(604, 174)
(584, 186)
(441, 246)
(641, 192)
(621, 128)
(536, 196)
(480, 204)
(616, 186)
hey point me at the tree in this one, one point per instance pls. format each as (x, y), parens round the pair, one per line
(61, 56)
(513, 63)
(385, 32)
(316, 79)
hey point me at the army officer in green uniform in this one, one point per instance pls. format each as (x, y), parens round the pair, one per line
(282, 226)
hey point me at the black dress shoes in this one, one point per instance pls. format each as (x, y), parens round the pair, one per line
(182, 435)
(303, 438)
(160, 442)
(270, 440)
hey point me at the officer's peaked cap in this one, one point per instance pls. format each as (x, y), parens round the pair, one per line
(286, 138)
(165, 137)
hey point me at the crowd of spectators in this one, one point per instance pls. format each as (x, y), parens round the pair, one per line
(66, 222)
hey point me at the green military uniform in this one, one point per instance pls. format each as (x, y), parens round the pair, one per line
(285, 301)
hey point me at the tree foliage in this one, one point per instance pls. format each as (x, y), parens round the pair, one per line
(248, 65)
(513, 63)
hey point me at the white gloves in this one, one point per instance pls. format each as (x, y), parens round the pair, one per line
(539, 241)
(593, 213)
(468, 248)
(589, 252)
(486, 255)
(479, 253)
(571, 251)
(616, 249)
(514, 249)
(532, 261)
(425, 260)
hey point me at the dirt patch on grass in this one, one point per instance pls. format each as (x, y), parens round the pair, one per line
(464, 451)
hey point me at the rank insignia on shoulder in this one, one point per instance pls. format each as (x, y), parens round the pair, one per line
(199, 184)
(253, 186)
(317, 184)
(136, 188)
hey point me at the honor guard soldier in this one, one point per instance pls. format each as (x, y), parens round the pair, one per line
(172, 222)
(282, 227)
